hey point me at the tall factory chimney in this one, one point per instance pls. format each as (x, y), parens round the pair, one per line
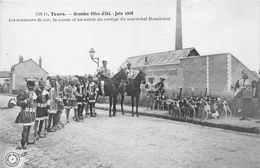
(40, 62)
(178, 34)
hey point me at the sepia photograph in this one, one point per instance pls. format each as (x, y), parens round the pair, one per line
(130, 84)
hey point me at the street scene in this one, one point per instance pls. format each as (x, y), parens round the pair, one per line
(126, 141)
(122, 84)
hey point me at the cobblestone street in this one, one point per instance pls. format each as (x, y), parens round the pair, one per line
(125, 141)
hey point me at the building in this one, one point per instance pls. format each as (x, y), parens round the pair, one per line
(190, 74)
(5, 81)
(23, 69)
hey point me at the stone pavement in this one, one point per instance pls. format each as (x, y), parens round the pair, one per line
(230, 123)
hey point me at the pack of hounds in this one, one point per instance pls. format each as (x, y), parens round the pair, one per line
(200, 107)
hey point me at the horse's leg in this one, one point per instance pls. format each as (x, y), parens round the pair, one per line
(114, 105)
(110, 105)
(122, 101)
(137, 101)
(133, 103)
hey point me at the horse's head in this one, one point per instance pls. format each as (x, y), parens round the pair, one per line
(120, 75)
(141, 76)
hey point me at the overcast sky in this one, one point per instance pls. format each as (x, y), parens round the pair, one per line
(211, 26)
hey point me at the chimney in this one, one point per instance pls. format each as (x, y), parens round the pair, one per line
(178, 34)
(40, 61)
(20, 59)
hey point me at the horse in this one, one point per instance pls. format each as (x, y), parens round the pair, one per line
(133, 90)
(111, 89)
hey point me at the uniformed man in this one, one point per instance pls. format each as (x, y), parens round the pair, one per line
(103, 73)
(92, 91)
(129, 72)
(258, 95)
(26, 117)
(159, 93)
(41, 111)
(130, 75)
(53, 94)
(160, 87)
(150, 93)
(247, 92)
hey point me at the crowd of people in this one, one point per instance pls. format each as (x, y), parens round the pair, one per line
(154, 93)
(42, 104)
(41, 107)
(44, 100)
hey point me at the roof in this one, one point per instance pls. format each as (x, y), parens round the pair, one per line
(13, 67)
(161, 58)
(254, 72)
(5, 74)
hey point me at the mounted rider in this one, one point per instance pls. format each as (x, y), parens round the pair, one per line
(130, 75)
(103, 73)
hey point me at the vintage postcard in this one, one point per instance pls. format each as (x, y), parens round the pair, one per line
(122, 83)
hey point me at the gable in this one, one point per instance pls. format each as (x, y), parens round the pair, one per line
(28, 67)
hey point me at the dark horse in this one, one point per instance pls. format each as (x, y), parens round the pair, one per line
(111, 88)
(133, 90)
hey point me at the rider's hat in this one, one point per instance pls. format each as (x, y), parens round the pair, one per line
(104, 61)
(162, 79)
(128, 63)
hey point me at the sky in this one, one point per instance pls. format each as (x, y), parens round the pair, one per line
(211, 26)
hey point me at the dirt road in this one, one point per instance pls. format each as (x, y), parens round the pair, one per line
(127, 142)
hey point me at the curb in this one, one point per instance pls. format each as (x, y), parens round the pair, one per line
(253, 130)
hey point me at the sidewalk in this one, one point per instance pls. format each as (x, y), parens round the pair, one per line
(230, 123)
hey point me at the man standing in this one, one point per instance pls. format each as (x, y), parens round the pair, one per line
(247, 92)
(41, 110)
(258, 95)
(150, 89)
(26, 117)
(53, 94)
(159, 92)
(92, 90)
(103, 73)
